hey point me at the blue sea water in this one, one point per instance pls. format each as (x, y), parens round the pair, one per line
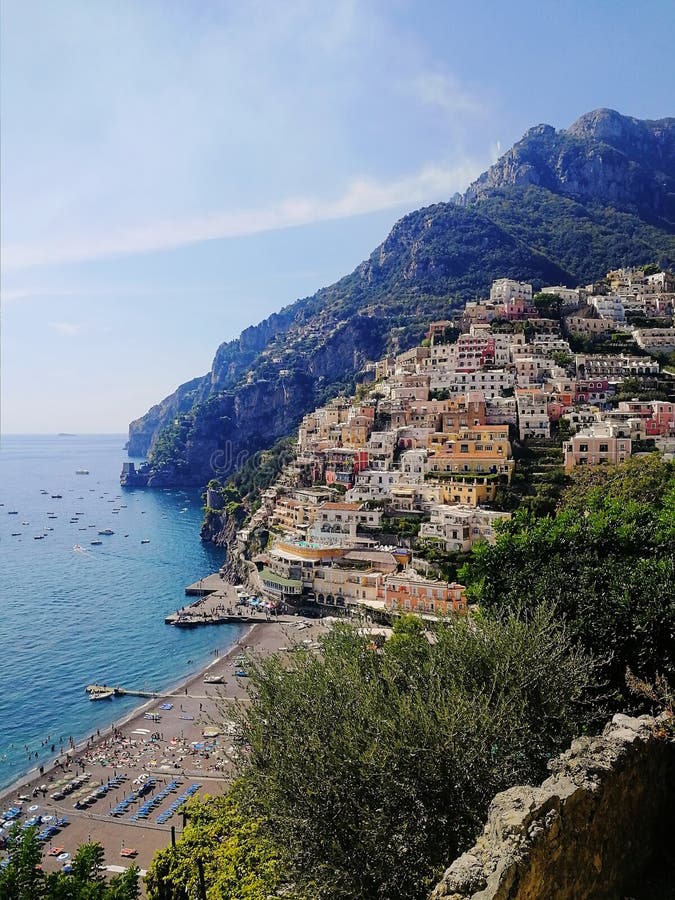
(72, 617)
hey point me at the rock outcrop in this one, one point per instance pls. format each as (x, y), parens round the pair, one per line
(587, 832)
(603, 157)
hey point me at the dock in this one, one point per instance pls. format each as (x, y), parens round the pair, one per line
(208, 585)
(119, 692)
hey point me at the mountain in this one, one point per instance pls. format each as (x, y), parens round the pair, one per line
(559, 207)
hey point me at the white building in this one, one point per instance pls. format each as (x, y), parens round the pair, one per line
(610, 307)
(491, 382)
(505, 289)
(533, 420)
(457, 528)
(655, 340)
(570, 296)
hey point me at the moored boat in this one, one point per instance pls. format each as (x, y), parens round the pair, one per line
(102, 695)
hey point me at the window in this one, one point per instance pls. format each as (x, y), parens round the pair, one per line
(604, 448)
(464, 448)
(583, 448)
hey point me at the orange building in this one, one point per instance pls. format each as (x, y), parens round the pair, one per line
(410, 592)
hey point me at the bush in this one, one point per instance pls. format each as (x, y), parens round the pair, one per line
(368, 770)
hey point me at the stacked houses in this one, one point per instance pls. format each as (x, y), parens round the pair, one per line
(430, 442)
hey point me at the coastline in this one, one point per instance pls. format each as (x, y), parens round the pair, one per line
(34, 775)
(188, 745)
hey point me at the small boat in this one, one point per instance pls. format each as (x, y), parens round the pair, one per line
(214, 679)
(78, 548)
(95, 543)
(52, 517)
(107, 531)
(57, 496)
(145, 541)
(187, 622)
(38, 537)
(81, 471)
(44, 492)
(25, 523)
(102, 695)
(12, 512)
(16, 534)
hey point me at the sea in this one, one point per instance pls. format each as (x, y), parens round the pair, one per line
(73, 612)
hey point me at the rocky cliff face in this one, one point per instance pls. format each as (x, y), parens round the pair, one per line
(560, 207)
(588, 831)
(603, 157)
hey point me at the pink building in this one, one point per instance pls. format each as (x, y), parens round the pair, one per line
(600, 444)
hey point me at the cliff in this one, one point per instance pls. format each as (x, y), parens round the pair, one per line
(559, 207)
(603, 157)
(590, 830)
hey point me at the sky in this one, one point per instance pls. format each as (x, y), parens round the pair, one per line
(176, 170)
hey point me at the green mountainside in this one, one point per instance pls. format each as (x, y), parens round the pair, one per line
(559, 207)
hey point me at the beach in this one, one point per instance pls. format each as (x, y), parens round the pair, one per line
(177, 743)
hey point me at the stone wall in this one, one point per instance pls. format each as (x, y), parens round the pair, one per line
(587, 832)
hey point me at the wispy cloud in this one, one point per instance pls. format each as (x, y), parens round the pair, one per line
(446, 92)
(68, 329)
(362, 196)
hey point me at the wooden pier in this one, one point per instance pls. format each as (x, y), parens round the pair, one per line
(119, 692)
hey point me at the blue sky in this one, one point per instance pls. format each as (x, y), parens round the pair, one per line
(173, 171)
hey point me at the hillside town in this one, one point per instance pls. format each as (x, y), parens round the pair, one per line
(419, 460)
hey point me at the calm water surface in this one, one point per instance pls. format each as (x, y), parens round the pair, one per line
(69, 617)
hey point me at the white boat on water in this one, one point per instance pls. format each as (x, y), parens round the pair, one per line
(102, 695)
(107, 531)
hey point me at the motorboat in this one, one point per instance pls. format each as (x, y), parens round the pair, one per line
(107, 531)
(95, 543)
(81, 471)
(12, 512)
(145, 541)
(214, 679)
(102, 695)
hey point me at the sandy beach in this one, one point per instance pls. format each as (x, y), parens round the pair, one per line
(175, 744)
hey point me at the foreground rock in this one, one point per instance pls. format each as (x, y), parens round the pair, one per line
(588, 831)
